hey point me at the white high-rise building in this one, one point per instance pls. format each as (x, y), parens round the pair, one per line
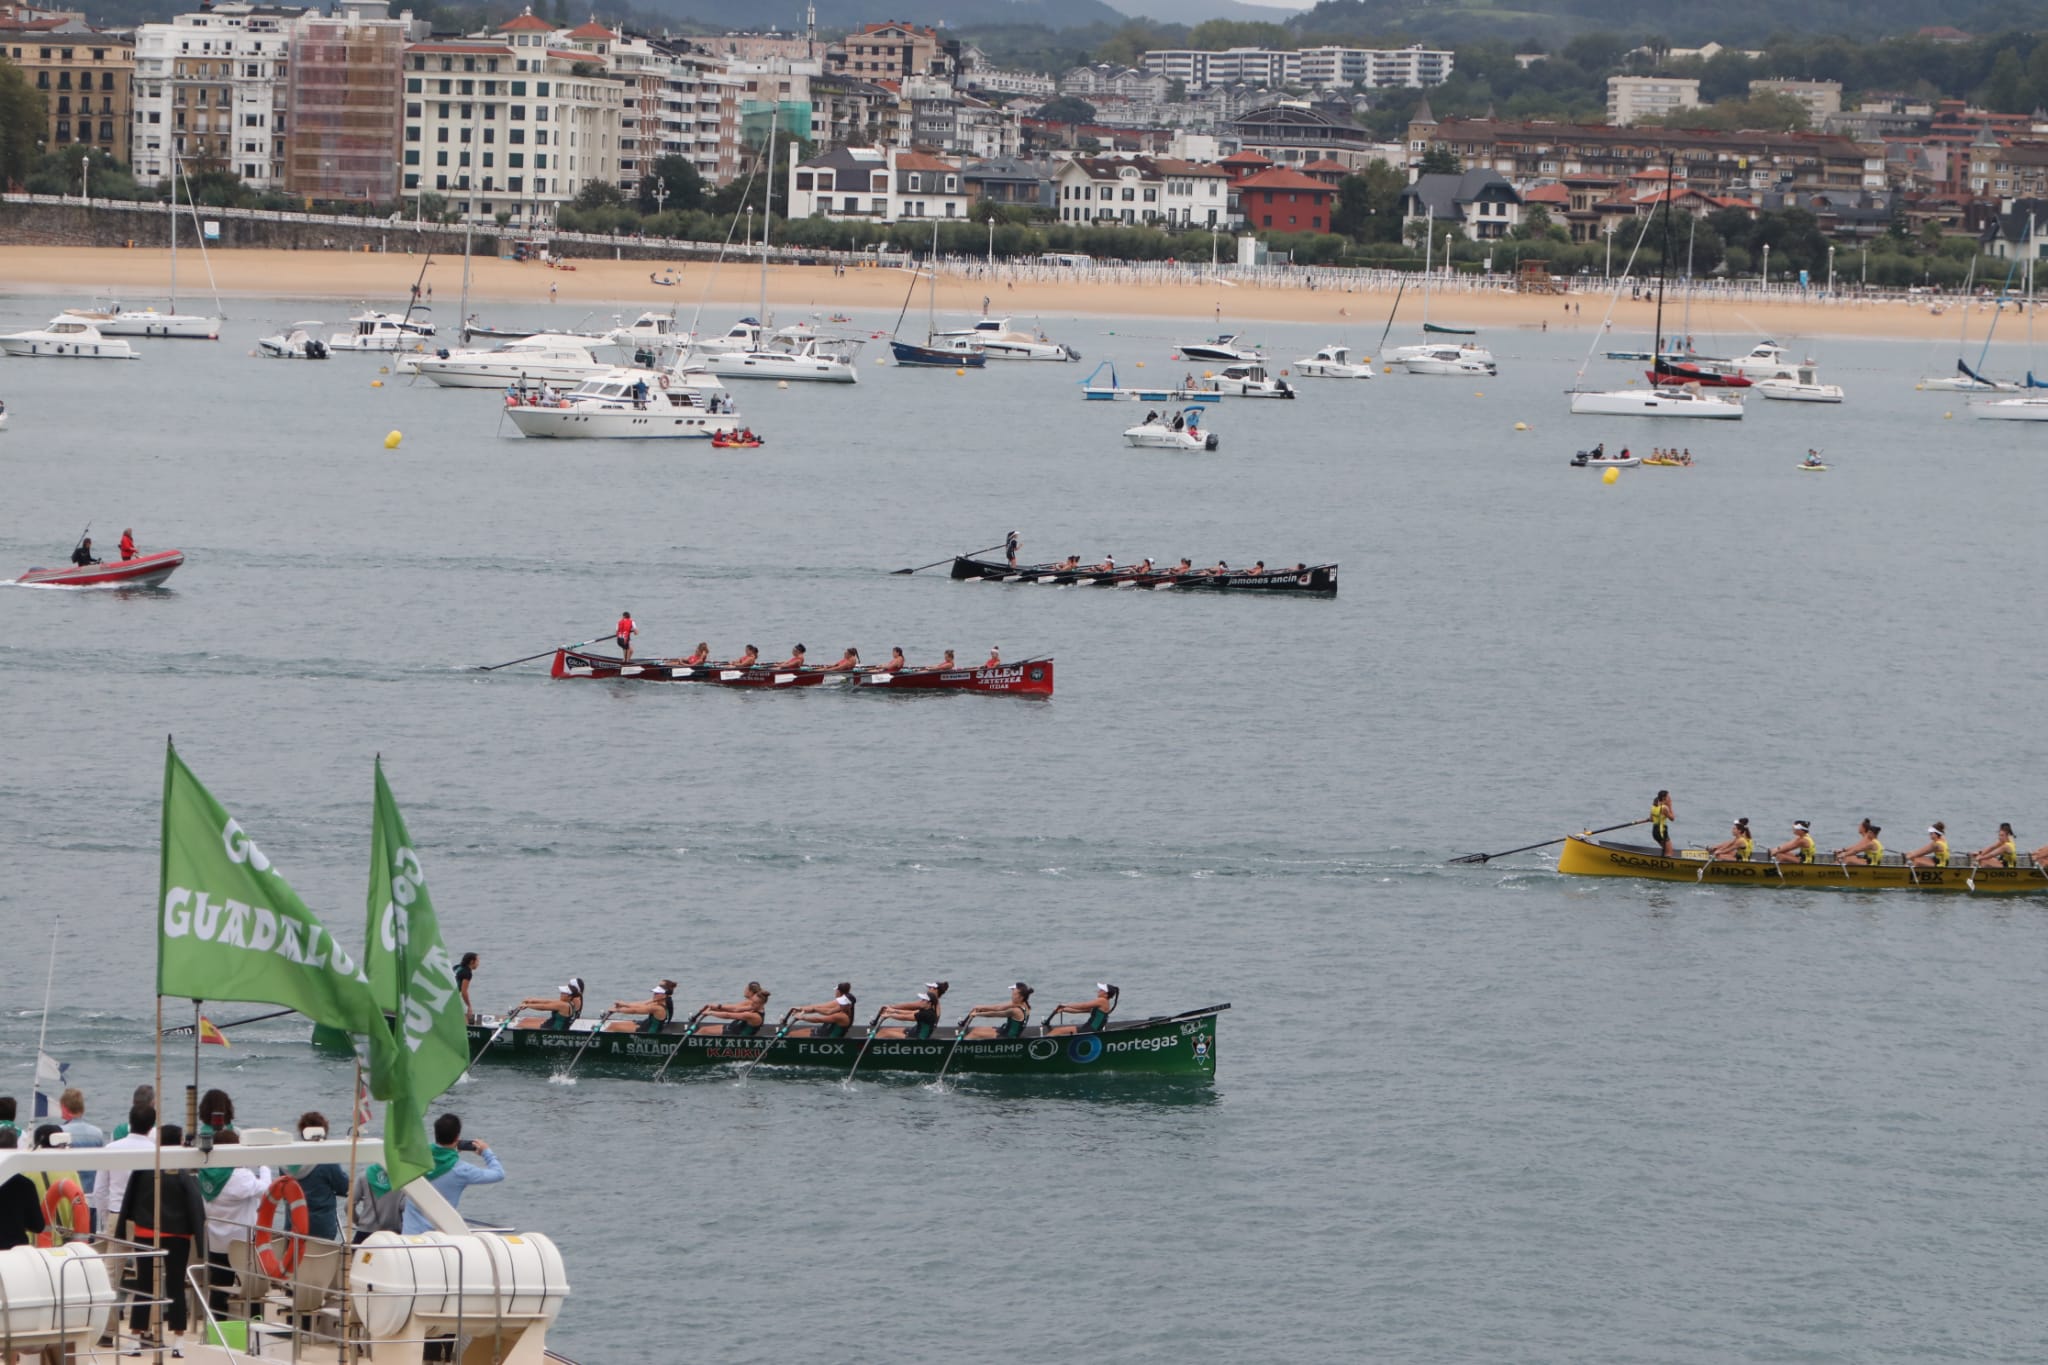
(210, 89)
(1322, 67)
(1630, 98)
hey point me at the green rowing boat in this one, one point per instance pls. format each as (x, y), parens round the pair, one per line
(1164, 1045)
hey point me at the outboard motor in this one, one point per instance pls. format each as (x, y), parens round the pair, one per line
(443, 353)
(315, 349)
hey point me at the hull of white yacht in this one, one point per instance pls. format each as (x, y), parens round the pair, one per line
(587, 420)
(46, 345)
(1654, 403)
(778, 365)
(457, 374)
(2012, 410)
(143, 323)
(1791, 391)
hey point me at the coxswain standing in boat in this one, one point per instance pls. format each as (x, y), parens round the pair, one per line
(565, 1005)
(1933, 853)
(921, 1014)
(127, 544)
(652, 1013)
(2004, 851)
(1735, 848)
(1866, 850)
(1799, 848)
(1010, 544)
(743, 1017)
(1014, 1014)
(795, 659)
(1662, 814)
(834, 1016)
(82, 556)
(848, 661)
(624, 633)
(1098, 1010)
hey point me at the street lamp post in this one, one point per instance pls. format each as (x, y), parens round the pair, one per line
(1607, 270)
(1831, 270)
(84, 174)
(1866, 268)
(750, 227)
(1767, 265)
(660, 194)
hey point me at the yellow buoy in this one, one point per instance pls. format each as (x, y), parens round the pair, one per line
(782, 383)
(1208, 374)
(376, 383)
(391, 440)
(1521, 426)
(383, 369)
(1610, 475)
(1477, 394)
(881, 360)
(1141, 364)
(960, 371)
(1946, 415)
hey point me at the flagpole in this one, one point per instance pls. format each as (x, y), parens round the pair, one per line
(192, 1090)
(348, 1221)
(49, 980)
(160, 1279)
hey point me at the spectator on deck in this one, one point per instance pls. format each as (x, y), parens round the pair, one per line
(324, 1184)
(230, 1217)
(21, 1208)
(84, 1136)
(451, 1175)
(135, 1135)
(175, 1225)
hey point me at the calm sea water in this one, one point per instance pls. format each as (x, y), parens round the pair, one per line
(1461, 1113)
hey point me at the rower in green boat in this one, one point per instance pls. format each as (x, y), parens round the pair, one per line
(650, 1013)
(1867, 849)
(1098, 1011)
(555, 1015)
(742, 1019)
(831, 1019)
(1933, 853)
(917, 1018)
(1015, 1013)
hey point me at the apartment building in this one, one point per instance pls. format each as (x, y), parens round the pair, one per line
(515, 121)
(1632, 98)
(87, 79)
(343, 99)
(210, 91)
(1823, 99)
(1322, 67)
(1292, 133)
(885, 184)
(893, 51)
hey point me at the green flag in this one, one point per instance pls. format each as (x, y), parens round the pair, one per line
(230, 927)
(413, 980)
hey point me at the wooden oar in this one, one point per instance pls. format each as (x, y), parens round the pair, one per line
(862, 1054)
(788, 1017)
(496, 1034)
(185, 1030)
(688, 1033)
(1489, 857)
(492, 668)
(950, 558)
(595, 1029)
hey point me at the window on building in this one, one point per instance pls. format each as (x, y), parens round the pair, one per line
(441, 134)
(515, 160)
(518, 88)
(540, 88)
(1269, 220)
(412, 132)
(440, 158)
(412, 156)
(440, 182)
(540, 161)
(516, 184)
(517, 137)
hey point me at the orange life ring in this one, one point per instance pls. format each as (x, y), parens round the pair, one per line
(664, 381)
(64, 1195)
(279, 1261)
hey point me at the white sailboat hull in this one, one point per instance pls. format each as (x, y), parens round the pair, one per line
(1789, 391)
(1654, 403)
(779, 365)
(2012, 410)
(178, 326)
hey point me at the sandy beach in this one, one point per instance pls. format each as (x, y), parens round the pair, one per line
(75, 274)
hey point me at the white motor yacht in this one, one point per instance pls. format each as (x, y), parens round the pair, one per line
(1172, 431)
(1766, 360)
(1333, 362)
(630, 405)
(1657, 402)
(374, 331)
(1802, 387)
(1248, 379)
(1453, 360)
(555, 358)
(70, 337)
(997, 340)
(1229, 346)
(792, 355)
(648, 331)
(296, 342)
(2029, 409)
(115, 321)
(745, 335)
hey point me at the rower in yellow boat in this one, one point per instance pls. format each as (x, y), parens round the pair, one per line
(1799, 848)
(1867, 849)
(1736, 847)
(1661, 816)
(1933, 853)
(2004, 851)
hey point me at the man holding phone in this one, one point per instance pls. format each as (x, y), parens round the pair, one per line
(451, 1174)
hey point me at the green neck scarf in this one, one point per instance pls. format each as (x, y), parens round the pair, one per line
(444, 1162)
(213, 1179)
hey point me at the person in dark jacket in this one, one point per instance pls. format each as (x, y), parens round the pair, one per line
(325, 1184)
(181, 1224)
(21, 1210)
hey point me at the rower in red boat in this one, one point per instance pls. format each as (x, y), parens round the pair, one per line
(127, 544)
(749, 657)
(995, 657)
(946, 665)
(624, 633)
(896, 663)
(847, 662)
(697, 656)
(795, 659)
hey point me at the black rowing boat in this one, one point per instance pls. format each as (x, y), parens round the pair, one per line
(1318, 580)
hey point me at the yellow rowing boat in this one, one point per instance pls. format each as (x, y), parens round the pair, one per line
(1589, 857)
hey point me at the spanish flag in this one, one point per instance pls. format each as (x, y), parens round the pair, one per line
(210, 1034)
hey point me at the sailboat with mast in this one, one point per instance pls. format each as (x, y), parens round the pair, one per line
(1965, 379)
(1436, 357)
(2032, 405)
(959, 352)
(116, 321)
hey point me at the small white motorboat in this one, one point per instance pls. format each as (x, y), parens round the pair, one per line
(555, 358)
(1765, 360)
(1598, 458)
(1248, 379)
(1094, 390)
(627, 405)
(648, 331)
(70, 337)
(795, 354)
(1172, 431)
(745, 335)
(997, 340)
(1657, 402)
(1230, 346)
(1802, 387)
(296, 342)
(115, 321)
(374, 331)
(1451, 360)
(1333, 362)
(2033, 408)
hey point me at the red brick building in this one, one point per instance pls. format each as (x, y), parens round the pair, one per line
(1280, 200)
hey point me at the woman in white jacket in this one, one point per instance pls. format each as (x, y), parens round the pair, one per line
(230, 1218)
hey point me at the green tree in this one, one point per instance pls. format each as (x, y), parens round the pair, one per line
(1219, 35)
(1768, 112)
(2006, 91)
(58, 173)
(1368, 204)
(23, 117)
(1440, 160)
(599, 194)
(1067, 109)
(682, 188)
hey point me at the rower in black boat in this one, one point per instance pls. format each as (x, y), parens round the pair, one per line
(919, 1017)
(1222, 570)
(742, 1018)
(82, 556)
(847, 662)
(1071, 562)
(749, 657)
(1098, 1011)
(1015, 1013)
(1108, 565)
(652, 1012)
(834, 1017)
(1257, 569)
(1186, 565)
(557, 1013)
(795, 659)
(1144, 567)
(1010, 544)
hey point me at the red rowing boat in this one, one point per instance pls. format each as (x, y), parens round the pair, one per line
(1027, 678)
(143, 571)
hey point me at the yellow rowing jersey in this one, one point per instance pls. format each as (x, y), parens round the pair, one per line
(1940, 852)
(1805, 848)
(2008, 854)
(1874, 854)
(1659, 821)
(1742, 847)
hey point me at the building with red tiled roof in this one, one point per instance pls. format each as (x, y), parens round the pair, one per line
(1327, 169)
(528, 22)
(592, 32)
(1281, 200)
